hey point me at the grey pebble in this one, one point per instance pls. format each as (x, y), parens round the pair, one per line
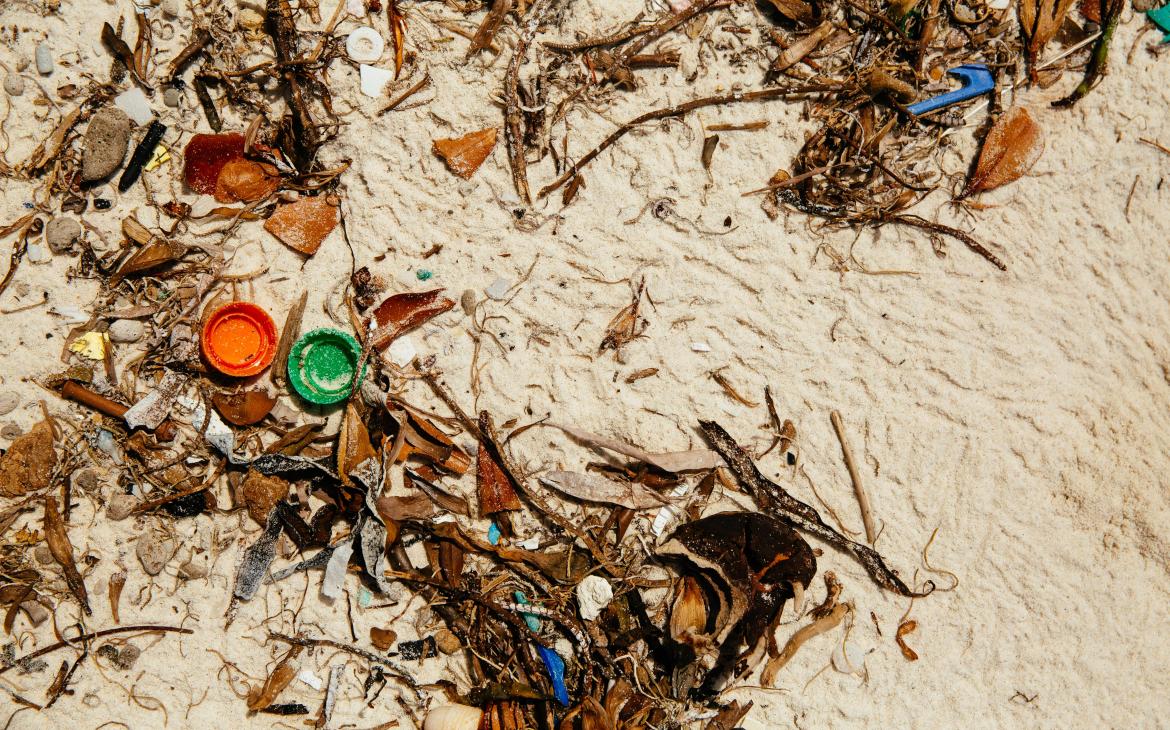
(120, 506)
(171, 97)
(498, 288)
(14, 85)
(106, 139)
(44, 58)
(61, 233)
(153, 553)
(126, 330)
(8, 402)
(42, 554)
(171, 8)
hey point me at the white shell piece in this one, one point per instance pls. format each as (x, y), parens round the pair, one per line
(364, 44)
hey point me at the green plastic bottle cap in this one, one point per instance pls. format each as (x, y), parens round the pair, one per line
(321, 365)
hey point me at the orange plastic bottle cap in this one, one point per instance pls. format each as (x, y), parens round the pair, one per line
(239, 339)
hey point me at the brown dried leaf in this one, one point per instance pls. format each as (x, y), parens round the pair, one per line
(401, 313)
(1040, 20)
(304, 225)
(261, 493)
(796, 10)
(116, 584)
(487, 29)
(29, 462)
(671, 461)
(594, 488)
(1011, 148)
(465, 154)
(62, 551)
(244, 408)
(495, 490)
(624, 326)
(425, 439)
(688, 615)
(151, 256)
(412, 507)
(353, 444)
(382, 639)
(281, 675)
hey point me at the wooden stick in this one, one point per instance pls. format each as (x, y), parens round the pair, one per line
(858, 489)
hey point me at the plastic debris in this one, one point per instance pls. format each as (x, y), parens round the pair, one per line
(976, 81)
(321, 365)
(134, 102)
(556, 673)
(465, 154)
(529, 618)
(142, 154)
(498, 289)
(239, 339)
(150, 411)
(374, 80)
(1161, 18)
(206, 155)
(311, 679)
(304, 225)
(494, 534)
(364, 44)
(91, 345)
(700, 347)
(160, 155)
(402, 351)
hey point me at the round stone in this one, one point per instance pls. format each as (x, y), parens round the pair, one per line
(14, 85)
(61, 233)
(120, 506)
(44, 59)
(126, 330)
(8, 402)
(171, 97)
(106, 139)
(153, 553)
(171, 8)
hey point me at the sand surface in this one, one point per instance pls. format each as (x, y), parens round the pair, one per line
(1022, 414)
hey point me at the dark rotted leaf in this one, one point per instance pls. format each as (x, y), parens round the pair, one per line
(244, 408)
(493, 486)
(158, 253)
(401, 313)
(189, 506)
(61, 549)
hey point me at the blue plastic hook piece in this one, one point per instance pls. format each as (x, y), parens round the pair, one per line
(976, 80)
(1161, 18)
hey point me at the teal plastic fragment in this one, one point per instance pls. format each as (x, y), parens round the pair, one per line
(529, 618)
(365, 597)
(494, 534)
(1161, 18)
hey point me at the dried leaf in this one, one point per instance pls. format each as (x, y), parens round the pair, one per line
(205, 157)
(398, 509)
(671, 461)
(1011, 148)
(282, 674)
(465, 154)
(447, 501)
(423, 438)
(246, 181)
(624, 326)
(490, 25)
(688, 615)
(397, 33)
(796, 10)
(593, 488)
(353, 444)
(261, 493)
(244, 408)
(906, 627)
(493, 486)
(1040, 20)
(304, 225)
(401, 313)
(152, 256)
(382, 639)
(62, 551)
(29, 462)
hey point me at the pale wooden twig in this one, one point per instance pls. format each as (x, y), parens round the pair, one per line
(855, 476)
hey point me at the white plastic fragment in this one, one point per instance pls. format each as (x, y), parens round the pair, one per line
(668, 514)
(700, 347)
(364, 44)
(136, 105)
(151, 410)
(593, 594)
(217, 433)
(70, 313)
(335, 570)
(498, 288)
(531, 543)
(374, 80)
(402, 351)
(38, 253)
(44, 58)
(311, 679)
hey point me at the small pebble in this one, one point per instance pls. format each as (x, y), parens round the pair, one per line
(38, 254)
(61, 233)
(120, 506)
(126, 330)
(153, 553)
(14, 85)
(8, 402)
(44, 58)
(468, 301)
(106, 139)
(192, 570)
(10, 431)
(101, 204)
(171, 97)
(447, 641)
(171, 8)
(42, 554)
(498, 289)
(84, 480)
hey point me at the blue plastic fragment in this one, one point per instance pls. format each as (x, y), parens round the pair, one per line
(556, 673)
(424, 274)
(494, 534)
(976, 79)
(1161, 18)
(529, 618)
(365, 598)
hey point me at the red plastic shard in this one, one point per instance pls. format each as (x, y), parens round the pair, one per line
(205, 156)
(303, 225)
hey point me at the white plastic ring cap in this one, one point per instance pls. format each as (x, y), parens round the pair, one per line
(365, 44)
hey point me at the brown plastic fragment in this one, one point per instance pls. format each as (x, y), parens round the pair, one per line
(205, 157)
(465, 154)
(381, 638)
(244, 408)
(246, 181)
(29, 462)
(304, 225)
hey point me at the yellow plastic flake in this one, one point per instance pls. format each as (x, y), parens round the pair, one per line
(161, 155)
(91, 345)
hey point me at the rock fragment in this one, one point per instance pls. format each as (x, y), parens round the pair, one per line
(126, 330)
(106, 140)
(61, 233)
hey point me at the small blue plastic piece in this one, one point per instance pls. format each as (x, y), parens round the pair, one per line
(494, 534)
(529, 618)
(556, 673)
(1161, 18)
(976, 79)
(424, 274)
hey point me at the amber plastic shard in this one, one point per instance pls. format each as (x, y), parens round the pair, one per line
(245, 408)
(1011, 148)
(205, 157)
(465, 154)
(245, 180)
(303, 225)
